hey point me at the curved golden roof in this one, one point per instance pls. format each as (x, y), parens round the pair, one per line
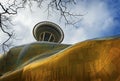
(92, 60)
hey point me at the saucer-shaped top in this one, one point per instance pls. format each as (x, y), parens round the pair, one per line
(48, 31)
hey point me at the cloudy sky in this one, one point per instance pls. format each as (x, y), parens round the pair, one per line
(100, 18)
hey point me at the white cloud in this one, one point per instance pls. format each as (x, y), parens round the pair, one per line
(93, 24)
(97, 20)
(73, 35)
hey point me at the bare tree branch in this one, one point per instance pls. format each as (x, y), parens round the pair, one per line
(61, 6)
(10, 10)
